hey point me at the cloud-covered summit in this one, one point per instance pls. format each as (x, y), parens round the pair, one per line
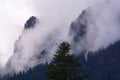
(31, 22)
(51, 13)
(95, 28)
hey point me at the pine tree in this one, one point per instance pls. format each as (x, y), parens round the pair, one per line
(64, 66)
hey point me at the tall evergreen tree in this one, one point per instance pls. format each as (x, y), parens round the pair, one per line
(64, 66)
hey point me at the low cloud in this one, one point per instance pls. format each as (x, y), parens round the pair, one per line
(55, 18)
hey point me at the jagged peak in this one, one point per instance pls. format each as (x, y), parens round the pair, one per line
(31, 22)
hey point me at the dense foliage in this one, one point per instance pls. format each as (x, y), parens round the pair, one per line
(64, 66)
(36, 73)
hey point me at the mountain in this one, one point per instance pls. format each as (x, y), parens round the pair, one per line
(99, 65)
(15, 61)
(33, 48)
(22, 59)
(78, 31)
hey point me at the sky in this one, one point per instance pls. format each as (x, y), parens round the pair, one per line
(13, 14)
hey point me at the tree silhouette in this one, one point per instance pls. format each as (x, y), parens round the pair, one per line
(64, 66)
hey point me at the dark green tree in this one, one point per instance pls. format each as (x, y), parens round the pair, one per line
(64, 66)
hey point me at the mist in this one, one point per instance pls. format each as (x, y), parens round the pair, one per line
(12, 19)
(55, 18)
(102, 27)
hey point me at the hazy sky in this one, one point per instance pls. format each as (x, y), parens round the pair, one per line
(14, 13)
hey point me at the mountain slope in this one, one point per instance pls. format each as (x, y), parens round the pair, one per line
(101, 65)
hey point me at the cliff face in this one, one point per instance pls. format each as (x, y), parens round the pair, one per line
(29, 51)
(79, 28)
(17, 60)
(31, 22)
